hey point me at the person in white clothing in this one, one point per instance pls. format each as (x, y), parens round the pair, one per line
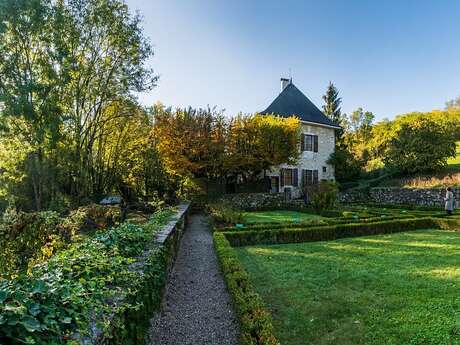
(449, 199)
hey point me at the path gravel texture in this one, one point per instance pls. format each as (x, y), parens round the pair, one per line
(196, 307)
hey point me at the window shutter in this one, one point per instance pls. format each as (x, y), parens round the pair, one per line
(304, 177)
(315, 176)
(295, 177)
(309, 175)
(282, 177)
(315, 144)
(302, 142)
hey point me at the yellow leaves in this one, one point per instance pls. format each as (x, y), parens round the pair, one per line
(202, 143)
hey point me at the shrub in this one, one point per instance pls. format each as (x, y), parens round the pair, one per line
(324, 196)
(107, 286)
(30, 238)
(224, 212)
(255, 321)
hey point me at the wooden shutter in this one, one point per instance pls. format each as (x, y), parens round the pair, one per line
(302, 142)
(295, 177)
(282, 177)
(315, 176)
(309, 177)
(315, 143)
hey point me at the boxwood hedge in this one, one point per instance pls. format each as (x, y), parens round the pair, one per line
(256, 326)
(332, 232)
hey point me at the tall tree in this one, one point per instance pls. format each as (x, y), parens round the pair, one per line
(332, 109)
(62, 65)
(332, 101)
(105, 54)
(30, 83)
(453, 103)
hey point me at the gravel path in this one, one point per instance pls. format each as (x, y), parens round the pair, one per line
(196, 307)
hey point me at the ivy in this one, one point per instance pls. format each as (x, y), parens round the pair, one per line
(75, 294)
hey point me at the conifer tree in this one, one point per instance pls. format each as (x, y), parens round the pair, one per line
(332, 108)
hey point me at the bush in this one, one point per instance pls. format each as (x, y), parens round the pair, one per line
(30, 238)
(224, 212)
(324, 196)
(255, 321)
(106, 286)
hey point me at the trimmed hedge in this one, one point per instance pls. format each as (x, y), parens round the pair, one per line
(256, 326)
(313, 223)
(324, 233)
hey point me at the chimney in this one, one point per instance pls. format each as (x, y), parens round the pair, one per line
(285, 82)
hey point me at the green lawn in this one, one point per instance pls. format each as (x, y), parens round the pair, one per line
(278, 216)
(393, 289)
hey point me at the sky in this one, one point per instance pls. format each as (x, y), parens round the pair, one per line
(388, 57)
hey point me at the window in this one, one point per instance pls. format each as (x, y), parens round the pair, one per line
(324, 169)
(309, 177)
(309, 142)
(289, 177)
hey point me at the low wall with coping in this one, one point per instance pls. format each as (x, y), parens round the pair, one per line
(393, 195)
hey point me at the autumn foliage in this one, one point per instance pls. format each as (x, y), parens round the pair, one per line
(203, 143)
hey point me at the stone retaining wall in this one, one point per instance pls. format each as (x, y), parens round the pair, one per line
(392, 195)
(134, 323)
(249, 201)
(171, 234)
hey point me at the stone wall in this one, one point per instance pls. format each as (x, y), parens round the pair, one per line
(390, 195)
(248, 201)
(312, 160)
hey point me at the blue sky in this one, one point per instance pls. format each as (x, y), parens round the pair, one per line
(389, 57)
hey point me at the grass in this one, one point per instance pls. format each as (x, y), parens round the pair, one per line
(454, 162)
(393, 289)
(278, 216)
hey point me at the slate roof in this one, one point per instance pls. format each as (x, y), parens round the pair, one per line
(291, 101)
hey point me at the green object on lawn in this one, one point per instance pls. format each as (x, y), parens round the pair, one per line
(239, 226)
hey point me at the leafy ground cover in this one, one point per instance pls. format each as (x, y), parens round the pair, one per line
(106, 282)
(27, 239)
(390, 289)
(278, 216)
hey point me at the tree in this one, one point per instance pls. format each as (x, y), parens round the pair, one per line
(201, 144)
(423, 145)
(347, 167)
(192, 141)
(30, 84)
(332, 108)
(104, 54)
(63, 64)
(127, 159)
(453, 103)
(258, 142)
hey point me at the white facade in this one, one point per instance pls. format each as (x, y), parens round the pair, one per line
(309, 159)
